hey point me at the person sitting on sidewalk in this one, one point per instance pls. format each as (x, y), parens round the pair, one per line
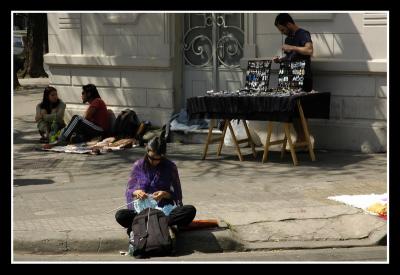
(50, 109)
(158, 176)
(95, 123)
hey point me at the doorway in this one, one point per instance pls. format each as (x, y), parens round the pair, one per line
(212, 48)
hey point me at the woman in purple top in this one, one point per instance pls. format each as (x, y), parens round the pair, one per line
(156, 175)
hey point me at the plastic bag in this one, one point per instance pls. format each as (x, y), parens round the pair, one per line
(140, 205)
(149, 202)
(240, 133)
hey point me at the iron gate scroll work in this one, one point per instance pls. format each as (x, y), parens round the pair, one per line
(213, 40)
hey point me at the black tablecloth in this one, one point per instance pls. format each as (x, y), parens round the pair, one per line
(271, 108)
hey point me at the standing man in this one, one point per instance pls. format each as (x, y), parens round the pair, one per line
(95, 122)
(298, 46)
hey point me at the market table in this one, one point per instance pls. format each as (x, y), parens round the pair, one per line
(271, 107)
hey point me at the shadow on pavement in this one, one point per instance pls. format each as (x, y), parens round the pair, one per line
(329, 160)
(26, 137)
(189, 242)
(24, 182)
(326, 159)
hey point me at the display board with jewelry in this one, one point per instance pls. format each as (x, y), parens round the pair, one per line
(290, 80)
(257, 75)
(291, 75)
(257, 80)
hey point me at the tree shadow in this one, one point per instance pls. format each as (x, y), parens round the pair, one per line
(331, 162)
(228, 163)
(324, 159)
(20, 137)
(25, 182)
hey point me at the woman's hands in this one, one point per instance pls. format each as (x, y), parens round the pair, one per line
(140, 194)
(158, 195)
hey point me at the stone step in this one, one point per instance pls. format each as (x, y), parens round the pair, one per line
(193, 136)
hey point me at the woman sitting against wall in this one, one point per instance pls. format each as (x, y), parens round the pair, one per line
(50, 110)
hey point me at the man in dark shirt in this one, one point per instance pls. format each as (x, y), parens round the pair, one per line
(95, 122)
(298, 46)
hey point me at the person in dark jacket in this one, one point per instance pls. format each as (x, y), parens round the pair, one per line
(94, 123)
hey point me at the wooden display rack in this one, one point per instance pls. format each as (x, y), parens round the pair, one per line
(287, 139)
(220, 140)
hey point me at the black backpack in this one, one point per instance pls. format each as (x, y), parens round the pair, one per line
(126, 124)
(151, 234)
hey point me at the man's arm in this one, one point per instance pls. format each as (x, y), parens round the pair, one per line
(306, 50)
(90, 113)
(278, 59)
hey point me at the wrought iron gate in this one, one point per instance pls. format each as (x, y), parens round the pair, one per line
(212, 47)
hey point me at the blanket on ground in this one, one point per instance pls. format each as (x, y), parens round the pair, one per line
(373, 204)
(94, 147)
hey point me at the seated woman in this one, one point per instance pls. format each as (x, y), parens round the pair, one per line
(51, 108)
(156, 175)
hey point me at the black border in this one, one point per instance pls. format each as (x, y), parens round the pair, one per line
(74, 5)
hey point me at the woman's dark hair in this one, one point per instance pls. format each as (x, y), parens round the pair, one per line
(158, 145)
(282, 19)
(92, 90)
(46, 104)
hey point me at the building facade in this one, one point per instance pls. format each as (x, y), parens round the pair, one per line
(153, 62)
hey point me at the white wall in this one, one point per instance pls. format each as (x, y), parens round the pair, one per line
(127, 56)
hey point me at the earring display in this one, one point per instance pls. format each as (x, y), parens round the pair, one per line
(291, 75)
(257, 75)
(257, 80)
(290, 80)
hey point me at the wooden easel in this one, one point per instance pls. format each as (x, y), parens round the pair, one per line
(288, 139)
(227, 124)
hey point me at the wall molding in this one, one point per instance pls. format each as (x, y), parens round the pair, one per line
(106, 61)
(304, 17)
(121, 19)
(346, 65)
(374, 19)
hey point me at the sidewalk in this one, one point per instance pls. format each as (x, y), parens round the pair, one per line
(60, 201)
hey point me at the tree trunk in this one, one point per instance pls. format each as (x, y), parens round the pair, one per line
(37, 24)
(16, 82)
(17, 66)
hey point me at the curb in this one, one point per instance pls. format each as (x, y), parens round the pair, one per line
(72, 241)
(376, 238)
(205, 240)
